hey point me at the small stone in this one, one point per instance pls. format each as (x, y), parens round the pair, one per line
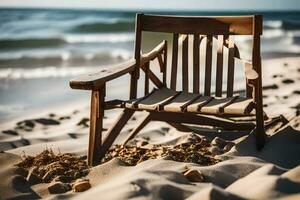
(32, 177)
(59, 187)
(80, 186)
(218, 142)
(215, 150)
(228, 146)
(194, 175)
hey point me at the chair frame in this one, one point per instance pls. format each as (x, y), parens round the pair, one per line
(210, 26)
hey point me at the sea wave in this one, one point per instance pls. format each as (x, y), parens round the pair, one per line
(286, 24)
(31, 43)
(272, 24)
(65, 59)
(43, 72)
(290, 24)
(107, 38)
(24, 43)
(118, 26)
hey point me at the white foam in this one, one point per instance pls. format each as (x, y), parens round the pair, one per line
(109, 37)
(273, 33)
(273, 23)
(45, 72)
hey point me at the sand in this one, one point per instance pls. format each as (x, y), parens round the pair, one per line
(241, 173)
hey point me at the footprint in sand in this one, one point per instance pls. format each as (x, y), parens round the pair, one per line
(25, 124)
(64, 117)
(73, 135)
(28, 125)
(10, 132)
(277, 75)
(52, 115)
(45, 121)
(84, 122)
(288, 81)
(296, 92)
(270, 87)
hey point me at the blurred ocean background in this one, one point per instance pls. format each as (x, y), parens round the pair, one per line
(41, 49)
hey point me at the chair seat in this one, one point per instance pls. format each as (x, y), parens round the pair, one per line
(168, 100)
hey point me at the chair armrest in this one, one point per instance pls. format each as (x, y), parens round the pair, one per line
(250, 73)
(153, 53)
(95, 80)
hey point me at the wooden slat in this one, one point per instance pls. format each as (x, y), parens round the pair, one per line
(215, 106)
(167, 101)
(147, 78)
(154, 100)
(219, 71)
(96, 125)
(185, 63)
(230, 75)
(240, 25)
(196, 61)
(180, 102)
(174, 61)
(240, 106)
(196, 105)
(133, 103)
(208, 63)
(165, 64)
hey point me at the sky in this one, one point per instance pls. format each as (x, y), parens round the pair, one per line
(204, 5)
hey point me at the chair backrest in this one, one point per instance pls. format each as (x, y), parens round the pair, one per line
(221, 28)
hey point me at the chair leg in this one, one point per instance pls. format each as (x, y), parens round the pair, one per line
(135, 131)
(96, 125)
(260, 130)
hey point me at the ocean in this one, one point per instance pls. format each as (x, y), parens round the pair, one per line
(41, 49)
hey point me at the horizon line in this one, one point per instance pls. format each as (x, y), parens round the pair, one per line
(147, 10)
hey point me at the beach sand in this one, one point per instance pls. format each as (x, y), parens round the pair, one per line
(242, 173)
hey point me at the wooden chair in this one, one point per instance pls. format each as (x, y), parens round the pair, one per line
(167, 104)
